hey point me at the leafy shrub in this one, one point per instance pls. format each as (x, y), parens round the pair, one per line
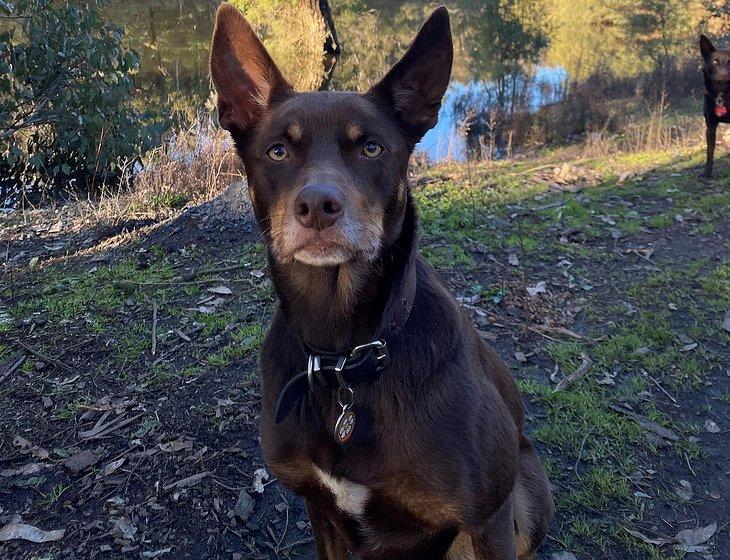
(66, 85)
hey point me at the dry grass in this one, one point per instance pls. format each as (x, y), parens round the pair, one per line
(192, 166)
(656, 132)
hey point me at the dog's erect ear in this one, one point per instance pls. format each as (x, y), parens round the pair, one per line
(245, 77)
(415, 86)
(706, 46)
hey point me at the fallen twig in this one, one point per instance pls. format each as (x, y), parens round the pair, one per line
(100, 429)
(43, 357)
(297, 543)
(185, 482)
(154, 327)
(663, 390)
(11, 369)
(648, 425)
(218, 270)
(182, 335)
(540, 329)
(568, 380)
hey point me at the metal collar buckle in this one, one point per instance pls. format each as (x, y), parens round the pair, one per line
(381, 351)
(316, 378)
(314, 372)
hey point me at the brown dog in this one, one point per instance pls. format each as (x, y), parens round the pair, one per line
(382, 406)
(716, 71)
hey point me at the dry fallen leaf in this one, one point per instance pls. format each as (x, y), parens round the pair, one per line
(539, 288)
(562, 556)
(20, 531)
(25, 470)
(642, 537)
(691, 538)
(125, 528)
(221, 290)
(28, 447)
(684, 491)
(258, 477)
(175, 446)
(156, 553)
(109, 468)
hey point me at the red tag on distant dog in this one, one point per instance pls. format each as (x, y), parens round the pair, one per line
(720, 111)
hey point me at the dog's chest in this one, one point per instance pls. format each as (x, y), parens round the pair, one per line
(351, 498)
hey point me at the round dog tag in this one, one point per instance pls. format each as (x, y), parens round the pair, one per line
(345, 425)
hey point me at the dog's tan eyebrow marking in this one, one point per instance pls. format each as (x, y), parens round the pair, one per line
(295, 132)
(354, 131)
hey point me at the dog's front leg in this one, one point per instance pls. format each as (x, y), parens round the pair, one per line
(711, 136)
(496, 539)
(327, 541)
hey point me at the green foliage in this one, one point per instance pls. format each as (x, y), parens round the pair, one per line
(66, 83)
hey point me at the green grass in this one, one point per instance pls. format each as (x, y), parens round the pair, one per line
(54, 495)
(244, 341)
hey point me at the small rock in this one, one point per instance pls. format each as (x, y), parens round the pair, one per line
(520, 357)
(711, 427)
(562, 556)
(80, 461)
(244, 506)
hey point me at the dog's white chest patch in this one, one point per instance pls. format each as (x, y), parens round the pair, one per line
(349, 496)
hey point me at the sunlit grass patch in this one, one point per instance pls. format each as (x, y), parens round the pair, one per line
(244, 340)
(447, 256)
(716, 287)
(581, 424)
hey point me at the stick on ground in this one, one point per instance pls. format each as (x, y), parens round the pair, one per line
(568, 380)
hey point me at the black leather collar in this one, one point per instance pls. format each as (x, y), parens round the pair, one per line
(362, 365)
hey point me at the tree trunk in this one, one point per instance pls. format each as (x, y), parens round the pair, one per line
(332, 47)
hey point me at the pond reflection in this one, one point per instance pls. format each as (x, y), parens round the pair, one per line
(510, 57)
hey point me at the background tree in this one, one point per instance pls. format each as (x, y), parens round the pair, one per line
(66, 83)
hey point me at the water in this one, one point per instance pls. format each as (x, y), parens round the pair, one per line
(444, 140)
(173, 40)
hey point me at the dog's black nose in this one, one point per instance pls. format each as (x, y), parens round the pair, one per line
(318, 206)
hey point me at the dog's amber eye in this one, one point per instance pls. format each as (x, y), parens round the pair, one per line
(277, 152)
(372, 149)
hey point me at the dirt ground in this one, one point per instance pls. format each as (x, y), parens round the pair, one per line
(128, 362)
